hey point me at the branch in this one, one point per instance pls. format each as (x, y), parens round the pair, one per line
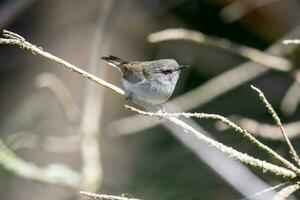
(238, 129)
(10, 38)
(105, 196)
(247, 184)
(244, 158)
(278, 122)
(268, 60)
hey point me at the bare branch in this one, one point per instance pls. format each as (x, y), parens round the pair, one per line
(235, 173)
(14, 39)
(278, 122)
(105, 196)
(238, 129)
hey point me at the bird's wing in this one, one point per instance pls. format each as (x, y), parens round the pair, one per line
(133, 72)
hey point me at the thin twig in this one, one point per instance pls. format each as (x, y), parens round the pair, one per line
(287, 191)
(268, 60)
(105, 196)
(9, 39)
(227, 150)
(236, 174)
(292, 41)
(235, 127)
(278, 122)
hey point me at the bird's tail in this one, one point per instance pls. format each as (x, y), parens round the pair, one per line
(114, 61)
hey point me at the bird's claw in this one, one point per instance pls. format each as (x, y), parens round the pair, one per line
(161, 110)
(128, 95)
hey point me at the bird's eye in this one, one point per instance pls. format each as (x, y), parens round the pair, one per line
(167, 71)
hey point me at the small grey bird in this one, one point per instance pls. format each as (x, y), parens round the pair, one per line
(151, 82)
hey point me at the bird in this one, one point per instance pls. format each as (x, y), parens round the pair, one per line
(147, 82)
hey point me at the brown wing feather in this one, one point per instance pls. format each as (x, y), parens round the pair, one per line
(133, 72)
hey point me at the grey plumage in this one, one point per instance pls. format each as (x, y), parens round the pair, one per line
(151, 82)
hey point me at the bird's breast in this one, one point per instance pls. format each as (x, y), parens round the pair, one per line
(149, 91)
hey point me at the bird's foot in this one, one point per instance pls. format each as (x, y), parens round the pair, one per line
(128, 95)
(161, 110)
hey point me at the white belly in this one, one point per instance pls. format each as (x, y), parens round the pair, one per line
(149, 93)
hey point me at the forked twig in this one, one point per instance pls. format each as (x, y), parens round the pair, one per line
(11, 38)
(224, 120)
(244, 158)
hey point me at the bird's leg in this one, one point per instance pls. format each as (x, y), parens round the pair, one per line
(128, 95)
(160, 110)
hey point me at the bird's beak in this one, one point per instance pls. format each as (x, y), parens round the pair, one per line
(183, 67)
